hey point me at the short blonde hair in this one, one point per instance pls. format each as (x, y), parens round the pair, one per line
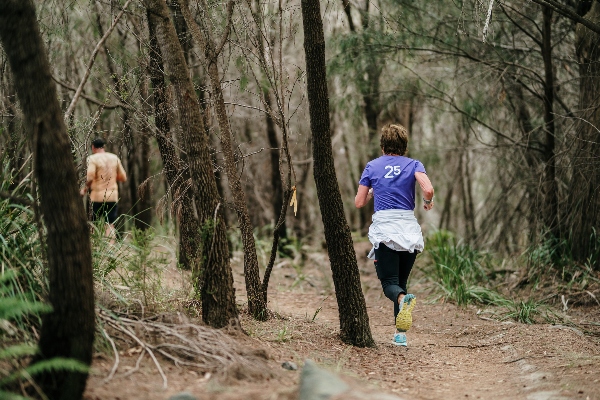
(394, 139)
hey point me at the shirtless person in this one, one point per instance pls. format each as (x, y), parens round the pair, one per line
(103, 172)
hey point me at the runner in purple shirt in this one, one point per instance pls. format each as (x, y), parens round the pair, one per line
(395, 233)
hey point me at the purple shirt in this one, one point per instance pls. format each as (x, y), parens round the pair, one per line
(393, 181)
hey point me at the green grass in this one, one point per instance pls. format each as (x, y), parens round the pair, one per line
(552, 258)
(460, 271)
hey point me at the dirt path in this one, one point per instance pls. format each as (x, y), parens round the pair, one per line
(452, 353)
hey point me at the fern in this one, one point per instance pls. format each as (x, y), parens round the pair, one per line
(18, 350)
(11, 396)
(52, 365)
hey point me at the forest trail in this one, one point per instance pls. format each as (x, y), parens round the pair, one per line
(453, 352)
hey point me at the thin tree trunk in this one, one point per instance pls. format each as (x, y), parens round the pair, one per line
(463, 193)
(68, 330)
(129, 201)
(218, 296)
(371, 109)
(144, 216)
(276, 184)
(15, 143)
(257, 305)
(469, 193)
(531, 154)
(354, 320)
(549, 186)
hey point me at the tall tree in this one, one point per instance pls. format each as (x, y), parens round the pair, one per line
(585, 194)
(277, 196)
(203, 36)
(67, 331)
(549, 185)
(177, 176)
(354, 320)
(217, 292)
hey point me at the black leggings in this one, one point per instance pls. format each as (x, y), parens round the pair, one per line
(393, 268)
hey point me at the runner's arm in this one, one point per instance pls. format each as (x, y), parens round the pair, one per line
(426, 187)
(363, 196)
(121, 176)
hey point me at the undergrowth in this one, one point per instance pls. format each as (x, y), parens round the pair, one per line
(462, 275)
(23, 286)
(551, 263)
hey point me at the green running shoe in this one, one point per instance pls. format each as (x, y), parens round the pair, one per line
(404, 317)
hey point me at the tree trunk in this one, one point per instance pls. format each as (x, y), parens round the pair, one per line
(217, 292)
(176, 173)
(128, 202)
(549, 186)
(276, 184)
(354, 320)
(257, 305)
(585, 194)
(144, 216)
(67, 331)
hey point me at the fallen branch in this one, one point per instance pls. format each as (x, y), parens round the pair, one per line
(144, 346)
(116, 352)
(183, 344)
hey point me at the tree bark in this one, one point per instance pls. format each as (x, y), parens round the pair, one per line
(143, 218)
(276, 183)
(585, 194)
(257, 305)
(550, 210)
(217, 292)
(67, 331)
(354, 320)
(175, 172)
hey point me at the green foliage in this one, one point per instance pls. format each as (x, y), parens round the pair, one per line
(21, 263)
(459, 270)
(129, 269)
(523, 311)
(462, 272)
(14, 358)
(553, 258)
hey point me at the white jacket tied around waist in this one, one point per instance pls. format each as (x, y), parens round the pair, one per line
(397, 229)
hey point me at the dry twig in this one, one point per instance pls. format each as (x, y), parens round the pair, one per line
(183, 344)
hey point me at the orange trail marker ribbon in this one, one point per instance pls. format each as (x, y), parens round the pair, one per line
(294, 201)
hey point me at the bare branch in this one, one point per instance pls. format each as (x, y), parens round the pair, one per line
(79, 90)
(568, 12)
(219, 48)
(91, 99)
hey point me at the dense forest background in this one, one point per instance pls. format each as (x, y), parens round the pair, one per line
(498, 117)
(500, 99)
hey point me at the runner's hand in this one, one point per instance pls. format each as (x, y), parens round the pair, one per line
(429, 206)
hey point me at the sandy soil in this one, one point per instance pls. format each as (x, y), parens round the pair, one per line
(453, 353)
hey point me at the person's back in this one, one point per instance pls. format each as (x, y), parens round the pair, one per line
(393, 181)
(105, 170)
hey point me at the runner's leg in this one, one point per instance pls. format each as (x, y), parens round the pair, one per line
(387, 268)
